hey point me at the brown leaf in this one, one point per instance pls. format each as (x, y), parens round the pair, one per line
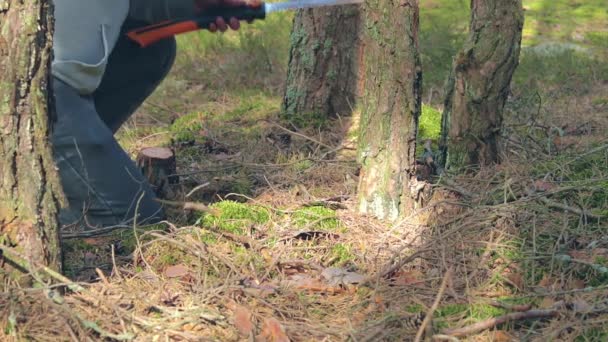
(176, 271)
(305, 282)
(543, 186)
(547, 303)
(502, 336)
(242, 320)
(576, 284)
(405, 278)
(516, 280)
(272, 331)
(549, 283)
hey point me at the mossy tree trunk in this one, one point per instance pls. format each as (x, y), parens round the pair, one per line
(478, 86)
(322, 75)
(390, 108)
(29, 185)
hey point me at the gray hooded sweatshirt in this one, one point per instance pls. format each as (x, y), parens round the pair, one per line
(87, 30)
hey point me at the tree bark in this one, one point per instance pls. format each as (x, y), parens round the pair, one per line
(478, 86)
(390, 109)
(322, 75)
(30, 191)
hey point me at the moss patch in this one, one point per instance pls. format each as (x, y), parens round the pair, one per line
(429, 126)
(315, 218)
(235, 217)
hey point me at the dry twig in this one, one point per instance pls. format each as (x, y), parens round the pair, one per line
(429, 315)
(495, 321)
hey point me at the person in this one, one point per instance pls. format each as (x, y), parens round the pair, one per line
(99, 78)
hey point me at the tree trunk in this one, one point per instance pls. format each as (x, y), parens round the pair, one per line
(478, 86)
(29, 185)
(390, 109)
(321, 77)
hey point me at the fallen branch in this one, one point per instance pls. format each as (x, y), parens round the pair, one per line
(429, 315)
(93, 233)
(243, 240)
(12, 256)
(509, 307)
(493, 322)
(200, 207)
(573, 210)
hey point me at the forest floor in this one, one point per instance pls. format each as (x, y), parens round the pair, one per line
(280, 253)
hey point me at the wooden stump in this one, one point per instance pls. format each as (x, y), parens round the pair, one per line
(158, 166)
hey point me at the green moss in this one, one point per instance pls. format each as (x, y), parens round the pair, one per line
(235, 217)
(308, 119)
(429, 126)
(341, 254)
(316, 218)
(415, 308)
(187, 127)
(471, 312)
(593, 334)
(303, 165)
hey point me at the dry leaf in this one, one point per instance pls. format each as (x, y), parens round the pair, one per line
(543, 186)
(502, 336)
(405, 278)
(305, 282)
(272, 331)
(549, 283)
(547, 303)
(576, 284)
(516, 280)
(242, 320)
(176, 271)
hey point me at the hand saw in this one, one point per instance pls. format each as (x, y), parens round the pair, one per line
(150, 34)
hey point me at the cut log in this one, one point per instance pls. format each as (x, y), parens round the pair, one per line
(158, 165)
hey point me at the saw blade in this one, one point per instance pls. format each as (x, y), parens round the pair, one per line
(300, 4)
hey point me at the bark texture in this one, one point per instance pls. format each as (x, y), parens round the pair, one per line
(478, 86)
(322, 75)
(29, 186)
(390, 108)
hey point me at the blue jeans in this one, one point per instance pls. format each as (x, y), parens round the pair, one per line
(102, 184)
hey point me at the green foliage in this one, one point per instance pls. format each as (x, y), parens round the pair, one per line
(429, 126)
(443, 29)
(186, 128)
(235, 217)
(562, 20)
(341, 254)
(469, 312)
(316, 218)
(563, 65)
(593, 334)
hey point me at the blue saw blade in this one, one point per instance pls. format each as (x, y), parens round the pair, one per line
(300, 4)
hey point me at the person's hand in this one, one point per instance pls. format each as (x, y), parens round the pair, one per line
(233, 23)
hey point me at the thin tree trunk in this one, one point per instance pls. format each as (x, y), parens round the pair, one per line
(322, 75)
(29, 185)
(478, 86)
(390, 109)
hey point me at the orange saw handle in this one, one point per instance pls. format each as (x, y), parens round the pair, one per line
(151, 34)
